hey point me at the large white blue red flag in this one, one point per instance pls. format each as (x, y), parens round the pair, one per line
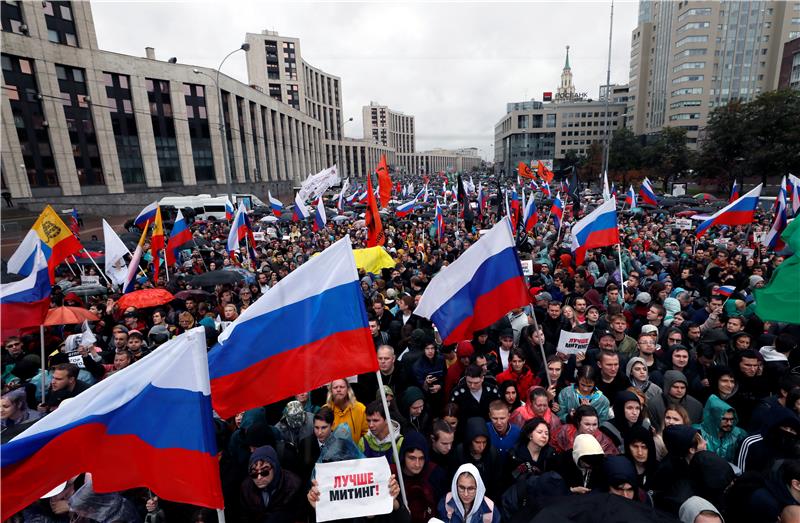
(739, 212)
(404, 209)
(320, 218)
(557, 211)
(24, 303)
(773, 239)
(477, 289)
(147, 425)
(275, 204)
(647, 193)
(596, 229)
(531, 215)
(300, 212)
(315, 314)
(148, 214)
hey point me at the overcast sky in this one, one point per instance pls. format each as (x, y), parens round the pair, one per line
(453, 65)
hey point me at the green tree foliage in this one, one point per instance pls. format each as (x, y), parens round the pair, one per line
(625, 154)
(668, 155)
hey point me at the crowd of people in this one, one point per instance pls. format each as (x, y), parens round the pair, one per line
(685, 402)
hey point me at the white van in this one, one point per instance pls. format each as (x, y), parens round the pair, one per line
(204, 205)
(251, 201)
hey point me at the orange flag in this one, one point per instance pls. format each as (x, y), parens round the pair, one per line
(524, 170)
(384, 182)
(544, 173)
(157, 244)
(372, 218)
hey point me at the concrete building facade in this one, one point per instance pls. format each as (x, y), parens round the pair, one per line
(436, 160)
(689, 57)
(388, 128)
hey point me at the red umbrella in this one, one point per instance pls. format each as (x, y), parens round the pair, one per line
(68, 316)
(145, 298)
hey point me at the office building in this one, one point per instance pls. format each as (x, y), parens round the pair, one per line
(388, 128)
(689, 57)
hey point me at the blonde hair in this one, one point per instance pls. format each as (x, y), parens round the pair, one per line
(351, 396)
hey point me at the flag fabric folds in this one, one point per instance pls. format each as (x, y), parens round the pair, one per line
(544, 173)
(438, 222)
(773, 239)
(133, 266)
(24, 303)
(404, 209)
(320, 218)
(240, 230)
(524, 170)
(149, 424)
(793, 194)
(314, 314)
(734, 192)
(606, 190)
(300, 212)
(647, 193)
(157, 244)
(557, 211)
(372, 219)
(58, 242)
(373, 259)
(384, 182)
(531, 215)
(779, 300)
(596, 229)
(229, 211)
(630, 198)
(179, 235)
(21, 262)
(477, 289)
(115, 251)
(148, 214)
(275, 204)
(726, 290)
(739, 212)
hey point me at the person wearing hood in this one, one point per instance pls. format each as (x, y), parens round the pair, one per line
(622, 479)
(778, 440)
(414, 411)
(270, 494)
(675, 391)
(637, 373)
(673, 307)
(776, 356)
(719, 428)
(378, 439)
(478, 451)
(582, 392)
(467, 501)
(698, 510)
(425, 483)
(583, 421)
(781, 489)
(627, 414)
(582, 468)
(672, 481)
(640, 448)
(295, 424)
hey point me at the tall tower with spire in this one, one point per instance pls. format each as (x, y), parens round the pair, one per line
(566, 91)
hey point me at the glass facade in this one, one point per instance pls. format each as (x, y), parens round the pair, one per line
(227, 118)
(158, 97)
(197, 118)
(11, 14)
(123, 120)
(60, 23)
(242, 132)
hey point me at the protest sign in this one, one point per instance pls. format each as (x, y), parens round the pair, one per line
(90, 280)
(527, 267)
(573, 342)
(259, 236)
(353, 488)
(683, 224)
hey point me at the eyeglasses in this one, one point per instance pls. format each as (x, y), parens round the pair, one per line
(261, 473)
(462, 488)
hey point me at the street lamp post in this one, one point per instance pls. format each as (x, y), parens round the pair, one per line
(244, 47)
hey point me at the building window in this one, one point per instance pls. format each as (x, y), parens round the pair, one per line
(522, 121)
(691, 40)
(794, 78)
(293, 96)
(701, 11)
(685, 116)
(60, 23)
(82, 136)
(693, 26)
(685, 103)
(688, 65)
(227, 119)
(197, 118)
(688, 78)
(160, 103)
(275, 92)
(21, 90)
(11, 14)
(123, 122)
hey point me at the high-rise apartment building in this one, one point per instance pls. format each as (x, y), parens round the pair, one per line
(689, 57)
(387, 127)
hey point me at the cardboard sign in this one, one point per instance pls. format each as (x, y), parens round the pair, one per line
(573, 342)
(259, 236)
(527, 267)
(353, 488)
(90, 280)
(683, 224)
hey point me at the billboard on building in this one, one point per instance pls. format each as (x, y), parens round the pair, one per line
(547, 96)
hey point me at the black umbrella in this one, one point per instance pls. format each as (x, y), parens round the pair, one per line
(599, 508)
(197, 294)
(94, 245)
(209, 279)
(89, 289)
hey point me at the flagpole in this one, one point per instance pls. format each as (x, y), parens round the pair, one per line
(221, 515)
(392, 438)
(41, 341)
(541, 345)
(108, 282)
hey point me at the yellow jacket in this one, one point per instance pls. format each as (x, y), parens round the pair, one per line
(354, 415)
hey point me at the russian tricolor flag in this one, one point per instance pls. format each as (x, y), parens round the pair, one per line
(240, 229)
(404, 209)
(546, 189)
(24, 303)
(630, 198)
(179, 235)
(531, 215)
(772, 239)
(320, 219)
(148, 214)
(596, 229)
(726, 290)
(734, 192)
(148, 425)
(739, 212)
(477, 289)
(557, 210)
(275, 204)
(300, 212)
(307, 330)
(647, 193)
(438, 221)
(229, 212)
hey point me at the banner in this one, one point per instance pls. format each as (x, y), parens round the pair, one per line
(317, 184)
(573, 342)
(353, 488)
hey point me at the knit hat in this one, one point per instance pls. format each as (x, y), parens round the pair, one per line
(755, 280)
(267, 454)
(631, 362)
(464, 349)
(643, 297)
(619, 470)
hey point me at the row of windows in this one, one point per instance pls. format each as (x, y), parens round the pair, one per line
(688, 78)
(688, 65)
(691, 40)
(687, 90)
(690, 52)
(699, 11)
(693, 25)
(685, 116)
(685, 103)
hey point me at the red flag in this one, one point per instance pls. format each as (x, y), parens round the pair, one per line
(544, 173)
(372, 219)
(384, 182)
(157, 244)
(524, 170)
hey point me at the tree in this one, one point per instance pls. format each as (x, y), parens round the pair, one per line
(625, 153)
(592, 167)
(724, 143)
(668, 155)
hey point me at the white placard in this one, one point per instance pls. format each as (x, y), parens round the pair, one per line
(573, 342)
(353, 488)
(683, 224)
(90, 280)
(259, 236)
(721, 242)
(527, 267)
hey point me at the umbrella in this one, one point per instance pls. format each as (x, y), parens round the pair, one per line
(89, 289)
(68, 316)
(270, 219)
(359, 223)
(248, 276)
(197, 294)
(209, 279)
(340, 219)
(145, 298)
(705, 196)
(600, 508)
